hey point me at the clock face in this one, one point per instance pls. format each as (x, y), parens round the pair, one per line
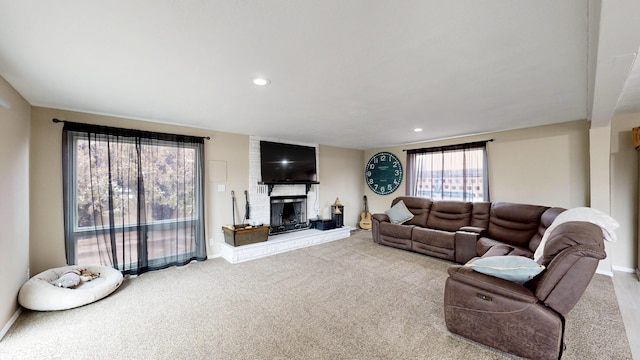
(383, 173)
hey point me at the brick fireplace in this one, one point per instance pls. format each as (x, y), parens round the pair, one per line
(261, 200)
(261, 212)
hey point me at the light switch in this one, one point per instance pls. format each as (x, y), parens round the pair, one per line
(221, 187)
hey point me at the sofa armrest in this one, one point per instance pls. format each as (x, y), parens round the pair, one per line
(465, 245)
(381, 217)
(376, 219)
(486, 285)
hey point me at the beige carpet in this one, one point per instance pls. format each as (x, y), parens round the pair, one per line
(348, 299)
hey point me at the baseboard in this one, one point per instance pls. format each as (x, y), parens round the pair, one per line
(604, 272)
(638, 274)
(623, 269)
(9, 323)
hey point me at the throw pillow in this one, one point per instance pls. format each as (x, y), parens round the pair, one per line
(513, 268)
(399, 214)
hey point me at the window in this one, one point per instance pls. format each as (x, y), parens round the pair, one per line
(133, 200)
(462, 164)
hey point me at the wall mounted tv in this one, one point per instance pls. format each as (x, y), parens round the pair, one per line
(287, 163)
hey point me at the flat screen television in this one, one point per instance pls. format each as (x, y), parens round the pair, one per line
(287, 163)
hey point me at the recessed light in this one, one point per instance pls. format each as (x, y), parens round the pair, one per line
(417, 129)
(260, 81)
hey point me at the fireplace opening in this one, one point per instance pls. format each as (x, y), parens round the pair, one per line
(288, 213)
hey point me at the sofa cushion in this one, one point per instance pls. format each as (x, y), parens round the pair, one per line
(396, 230)
(546, 220)
(398, 214)
(489, 247)
(514, 224)
(513, 268)
(418, 206)
(449, 215)
(437, 238)
(480, 214)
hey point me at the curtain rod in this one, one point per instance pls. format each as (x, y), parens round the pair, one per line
(71, 122)
(450, 146)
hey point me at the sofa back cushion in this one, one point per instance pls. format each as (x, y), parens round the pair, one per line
(514, 224)
(449, 215)
(480, 214)
(418, 206)
(545, 221)
(571, 255)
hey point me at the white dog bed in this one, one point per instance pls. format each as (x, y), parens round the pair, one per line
(40, 293)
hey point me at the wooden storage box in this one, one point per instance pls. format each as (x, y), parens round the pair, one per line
(245, 236)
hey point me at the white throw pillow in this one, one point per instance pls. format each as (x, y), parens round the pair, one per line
(399, 214)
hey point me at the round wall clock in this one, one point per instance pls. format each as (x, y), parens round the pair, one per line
(383, 173)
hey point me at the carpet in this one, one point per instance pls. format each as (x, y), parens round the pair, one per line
(347, 299)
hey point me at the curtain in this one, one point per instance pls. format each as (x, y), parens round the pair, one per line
(133, 200)
(455, 172)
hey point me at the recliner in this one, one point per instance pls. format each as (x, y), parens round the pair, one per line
(526, 319)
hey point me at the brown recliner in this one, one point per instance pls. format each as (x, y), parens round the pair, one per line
(526, 319)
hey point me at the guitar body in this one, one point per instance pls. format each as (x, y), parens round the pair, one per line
(365, 217)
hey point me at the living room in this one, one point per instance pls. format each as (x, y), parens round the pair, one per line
(568, 162)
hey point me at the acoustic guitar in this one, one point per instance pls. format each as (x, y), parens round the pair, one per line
(365, 217)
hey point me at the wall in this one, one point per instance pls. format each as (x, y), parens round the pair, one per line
(341, 176)
(624, 192)
(227, 169)
(14, 195)
(546, 165)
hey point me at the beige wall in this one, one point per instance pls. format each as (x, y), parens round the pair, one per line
(341, 174)
(599, 180)
(545, 165)
(624, 192)
(14, 195)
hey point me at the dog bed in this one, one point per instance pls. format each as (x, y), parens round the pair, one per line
(41, 293)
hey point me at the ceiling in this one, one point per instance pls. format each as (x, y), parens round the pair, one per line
(358, 74)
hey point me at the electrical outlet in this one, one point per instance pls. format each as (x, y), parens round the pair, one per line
(28, 273)
(212, 241)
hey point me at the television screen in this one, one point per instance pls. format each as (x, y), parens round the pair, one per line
(282, 163)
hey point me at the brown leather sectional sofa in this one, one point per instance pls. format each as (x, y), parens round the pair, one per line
(459, 231)
(525, 319)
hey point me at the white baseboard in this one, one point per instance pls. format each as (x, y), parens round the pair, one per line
(623, 269)
(604, 272)
(9, 323)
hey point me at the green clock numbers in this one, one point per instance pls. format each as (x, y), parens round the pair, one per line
(383, 173)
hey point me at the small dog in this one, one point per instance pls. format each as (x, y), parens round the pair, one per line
(72, 278)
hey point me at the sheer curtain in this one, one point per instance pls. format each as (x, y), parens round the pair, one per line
(455, 172)
(133, 200)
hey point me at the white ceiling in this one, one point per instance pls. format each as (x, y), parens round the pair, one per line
(351, 73)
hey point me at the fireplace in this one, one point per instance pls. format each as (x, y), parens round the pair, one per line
(288, 213)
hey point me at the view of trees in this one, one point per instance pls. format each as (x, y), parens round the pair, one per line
(108, 176)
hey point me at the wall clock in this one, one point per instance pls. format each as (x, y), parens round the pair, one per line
(383, 173)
